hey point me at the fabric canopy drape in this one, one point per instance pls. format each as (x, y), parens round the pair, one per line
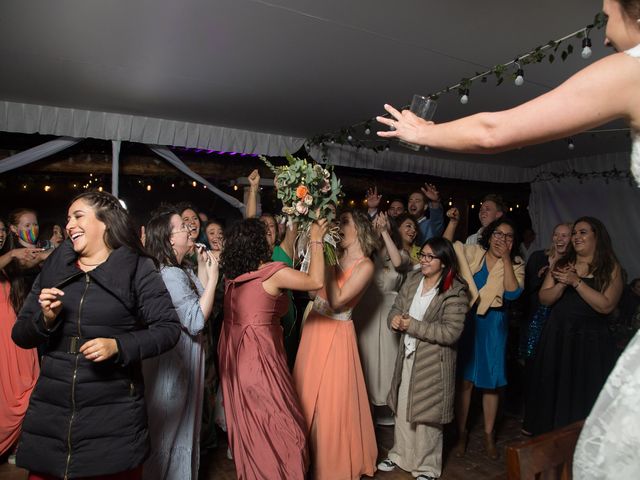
(171, 157)
(473, 168)
(36, 153)
(615, 203)
(46, 120)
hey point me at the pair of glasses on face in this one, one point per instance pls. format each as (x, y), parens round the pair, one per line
(503, 236)
(183, 228)
(426, 257)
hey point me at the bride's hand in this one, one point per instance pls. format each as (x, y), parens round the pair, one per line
(318, 230)
(404, 125)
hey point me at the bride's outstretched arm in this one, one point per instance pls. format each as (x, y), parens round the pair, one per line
(599, 93)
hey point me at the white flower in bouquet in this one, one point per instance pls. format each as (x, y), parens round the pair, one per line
(308, 191)
(301, 208)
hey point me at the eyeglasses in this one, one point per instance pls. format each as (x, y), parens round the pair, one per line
(183, 228)
(501, 235)
(426, 257)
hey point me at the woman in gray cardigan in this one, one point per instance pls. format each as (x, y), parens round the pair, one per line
(430, 311)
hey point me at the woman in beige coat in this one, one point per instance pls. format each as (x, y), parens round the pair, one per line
(430, 310)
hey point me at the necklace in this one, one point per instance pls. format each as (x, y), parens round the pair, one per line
(92, 264)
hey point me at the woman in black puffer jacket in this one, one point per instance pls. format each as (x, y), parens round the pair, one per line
(99, 307)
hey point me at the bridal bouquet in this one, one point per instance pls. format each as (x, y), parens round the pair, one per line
(308, 191)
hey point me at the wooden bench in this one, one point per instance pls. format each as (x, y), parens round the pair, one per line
(547, 456)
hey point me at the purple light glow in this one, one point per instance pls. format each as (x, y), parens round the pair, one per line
(221, 152)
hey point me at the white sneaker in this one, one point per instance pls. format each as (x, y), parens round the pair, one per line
(11, 459)
(386, 465)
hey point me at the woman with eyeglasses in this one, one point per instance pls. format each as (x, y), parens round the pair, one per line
(576, 351)
(429, 312)
(174, 381)
(495, 275)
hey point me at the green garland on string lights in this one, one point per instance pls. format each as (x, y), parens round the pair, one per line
(550, 51)
(613, 174)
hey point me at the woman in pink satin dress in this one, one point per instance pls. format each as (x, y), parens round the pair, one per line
(266, 429)
(19, 368)
(328, 374)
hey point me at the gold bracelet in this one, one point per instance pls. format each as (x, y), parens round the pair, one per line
(578, 284)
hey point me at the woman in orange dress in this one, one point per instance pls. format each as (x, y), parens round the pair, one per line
(19, 368)
(328, 374)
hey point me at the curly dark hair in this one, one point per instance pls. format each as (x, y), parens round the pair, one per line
(604, 258)
(487, 233)
(395, 227)
(245, 248)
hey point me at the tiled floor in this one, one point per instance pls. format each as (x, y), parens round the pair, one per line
(473, 466)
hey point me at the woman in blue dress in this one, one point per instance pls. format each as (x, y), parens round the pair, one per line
(495, 275)
(174, 381)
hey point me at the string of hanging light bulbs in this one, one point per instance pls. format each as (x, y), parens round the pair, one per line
(348, 135)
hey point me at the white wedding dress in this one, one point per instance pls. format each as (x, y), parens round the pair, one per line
(635, 147)
(609, 445)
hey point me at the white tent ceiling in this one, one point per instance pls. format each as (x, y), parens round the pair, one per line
(290, 69)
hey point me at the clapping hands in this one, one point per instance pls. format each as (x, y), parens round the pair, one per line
(400, 323)
(566, 275)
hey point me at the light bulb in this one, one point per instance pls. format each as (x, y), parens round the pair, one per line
(571, 145)
(349, 138)
(464, 99)
(586, 48)
(367, 131)
(519, 78)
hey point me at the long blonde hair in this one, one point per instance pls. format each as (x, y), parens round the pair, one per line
(367, 237)
(551, 251)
